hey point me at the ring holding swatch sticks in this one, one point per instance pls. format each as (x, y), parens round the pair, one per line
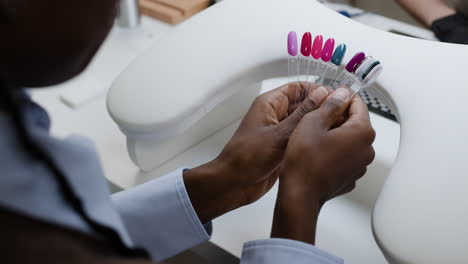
(321, 63)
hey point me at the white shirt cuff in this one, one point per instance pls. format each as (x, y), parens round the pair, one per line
(277, 250)
(160, 217)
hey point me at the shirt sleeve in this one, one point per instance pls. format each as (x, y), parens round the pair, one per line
(452, 29)
(160, 218)
(276, 251)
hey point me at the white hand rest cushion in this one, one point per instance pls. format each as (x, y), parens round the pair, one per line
(169, 98)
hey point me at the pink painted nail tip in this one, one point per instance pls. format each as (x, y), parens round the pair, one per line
(292, 43)
(306, 44)
(328, 48)
(317, 47)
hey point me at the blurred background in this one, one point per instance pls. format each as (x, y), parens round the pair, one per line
(388, 8)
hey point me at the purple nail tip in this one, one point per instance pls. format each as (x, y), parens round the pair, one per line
(292, 43)
(353, 64)
(328, 48)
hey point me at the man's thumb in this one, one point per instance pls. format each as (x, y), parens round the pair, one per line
(333, 107)
(312, 102)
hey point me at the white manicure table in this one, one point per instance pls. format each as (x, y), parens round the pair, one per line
(204, 74)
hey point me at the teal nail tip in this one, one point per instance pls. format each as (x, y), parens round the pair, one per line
(339, 54)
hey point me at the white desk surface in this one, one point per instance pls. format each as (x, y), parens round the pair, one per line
(336, 234)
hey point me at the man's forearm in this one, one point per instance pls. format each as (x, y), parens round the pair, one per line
(210, 195)
(296, 214)
(427, 11)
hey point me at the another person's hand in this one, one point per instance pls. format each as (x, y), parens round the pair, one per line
(322, 161)
(427, 11)
(247, 167)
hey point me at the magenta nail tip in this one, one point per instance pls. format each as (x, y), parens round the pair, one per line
(353, 64)
(317, 47)
(306, 44)
(328, 48)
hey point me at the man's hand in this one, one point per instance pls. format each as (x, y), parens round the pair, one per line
(322, 161)
(248, 165)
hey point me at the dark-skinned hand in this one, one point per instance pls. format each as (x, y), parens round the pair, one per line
(323, 160)
(248, 165)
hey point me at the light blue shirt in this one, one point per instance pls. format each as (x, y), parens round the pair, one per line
(157, 215)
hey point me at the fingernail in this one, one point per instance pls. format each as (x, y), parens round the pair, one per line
(292, 43)
(319, 94)
(306, 44)
(317, 47)
(341, 94)
(355, 61)
(339, 54)
(327, 51)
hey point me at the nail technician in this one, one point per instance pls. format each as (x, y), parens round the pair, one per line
(55, 206)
